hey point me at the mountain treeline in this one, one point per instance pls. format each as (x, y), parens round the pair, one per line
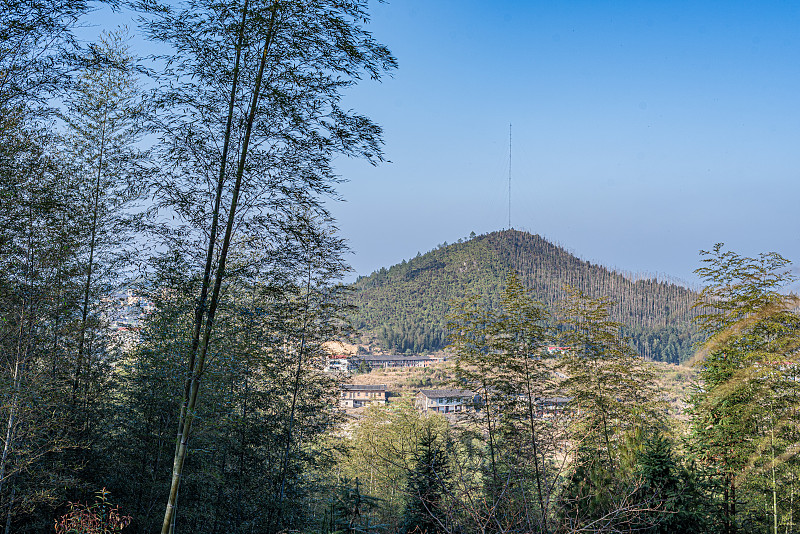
(403, 308)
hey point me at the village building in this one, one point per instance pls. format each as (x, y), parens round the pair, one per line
(547, 407)
(338, 363)
(358, 395)
(445, 400)
(386, 361)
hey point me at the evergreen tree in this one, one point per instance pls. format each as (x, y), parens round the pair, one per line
(383, 452)
(418, 292)
(428, 489)
(681, 507)
(269, 403)
(594, 496)
(51, 407)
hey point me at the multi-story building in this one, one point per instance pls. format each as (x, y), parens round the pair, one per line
(375, 361)
(445, 400)
(338, 363)
(357, 395)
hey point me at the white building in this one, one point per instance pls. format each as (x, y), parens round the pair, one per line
(445, 400)
(357, 395)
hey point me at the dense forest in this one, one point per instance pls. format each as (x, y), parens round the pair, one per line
(193, 182)
(404, 308)
(170, 275)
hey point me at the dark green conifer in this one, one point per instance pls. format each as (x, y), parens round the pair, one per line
(428, 488)
(670, 488)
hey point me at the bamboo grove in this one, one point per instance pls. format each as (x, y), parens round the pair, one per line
(170, 272)
(193, 181)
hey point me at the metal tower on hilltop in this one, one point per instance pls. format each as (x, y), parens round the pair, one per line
(509, 177)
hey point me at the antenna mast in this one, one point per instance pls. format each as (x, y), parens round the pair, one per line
(509, 176)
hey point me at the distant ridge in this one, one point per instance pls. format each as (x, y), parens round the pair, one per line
(403, 308)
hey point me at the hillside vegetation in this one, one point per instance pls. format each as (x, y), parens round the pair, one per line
(403, 308)
(674, 382)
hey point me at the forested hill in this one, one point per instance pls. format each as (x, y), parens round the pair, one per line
(403, 308)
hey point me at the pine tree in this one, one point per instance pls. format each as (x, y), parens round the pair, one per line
(383, 452)
(664, 481)
(428, 489)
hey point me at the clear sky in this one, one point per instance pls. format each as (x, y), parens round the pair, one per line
(642, 131)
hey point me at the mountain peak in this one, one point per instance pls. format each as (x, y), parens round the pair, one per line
(403, 308)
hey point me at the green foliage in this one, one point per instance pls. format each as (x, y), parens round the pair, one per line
(591, 491)
(247, 448)
(405, 307)
(348, 511)
(744, 412)
(612, 394)
(384, 449)
(249, 122)
(428, 488)
(611, 388)
(656, 495)
(246, 124)
(663, 480)
(500, 354)
(245, 120)
(39, 293)
(56, 352)
(37, 56)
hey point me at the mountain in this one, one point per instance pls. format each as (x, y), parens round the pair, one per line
(403, 308)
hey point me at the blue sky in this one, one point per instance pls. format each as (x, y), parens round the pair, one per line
(642, 131)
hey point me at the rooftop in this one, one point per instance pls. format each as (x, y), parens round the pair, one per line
(434, 393)
(397, 357)
(362, 387)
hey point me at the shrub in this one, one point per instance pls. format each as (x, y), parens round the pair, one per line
(98, 518)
